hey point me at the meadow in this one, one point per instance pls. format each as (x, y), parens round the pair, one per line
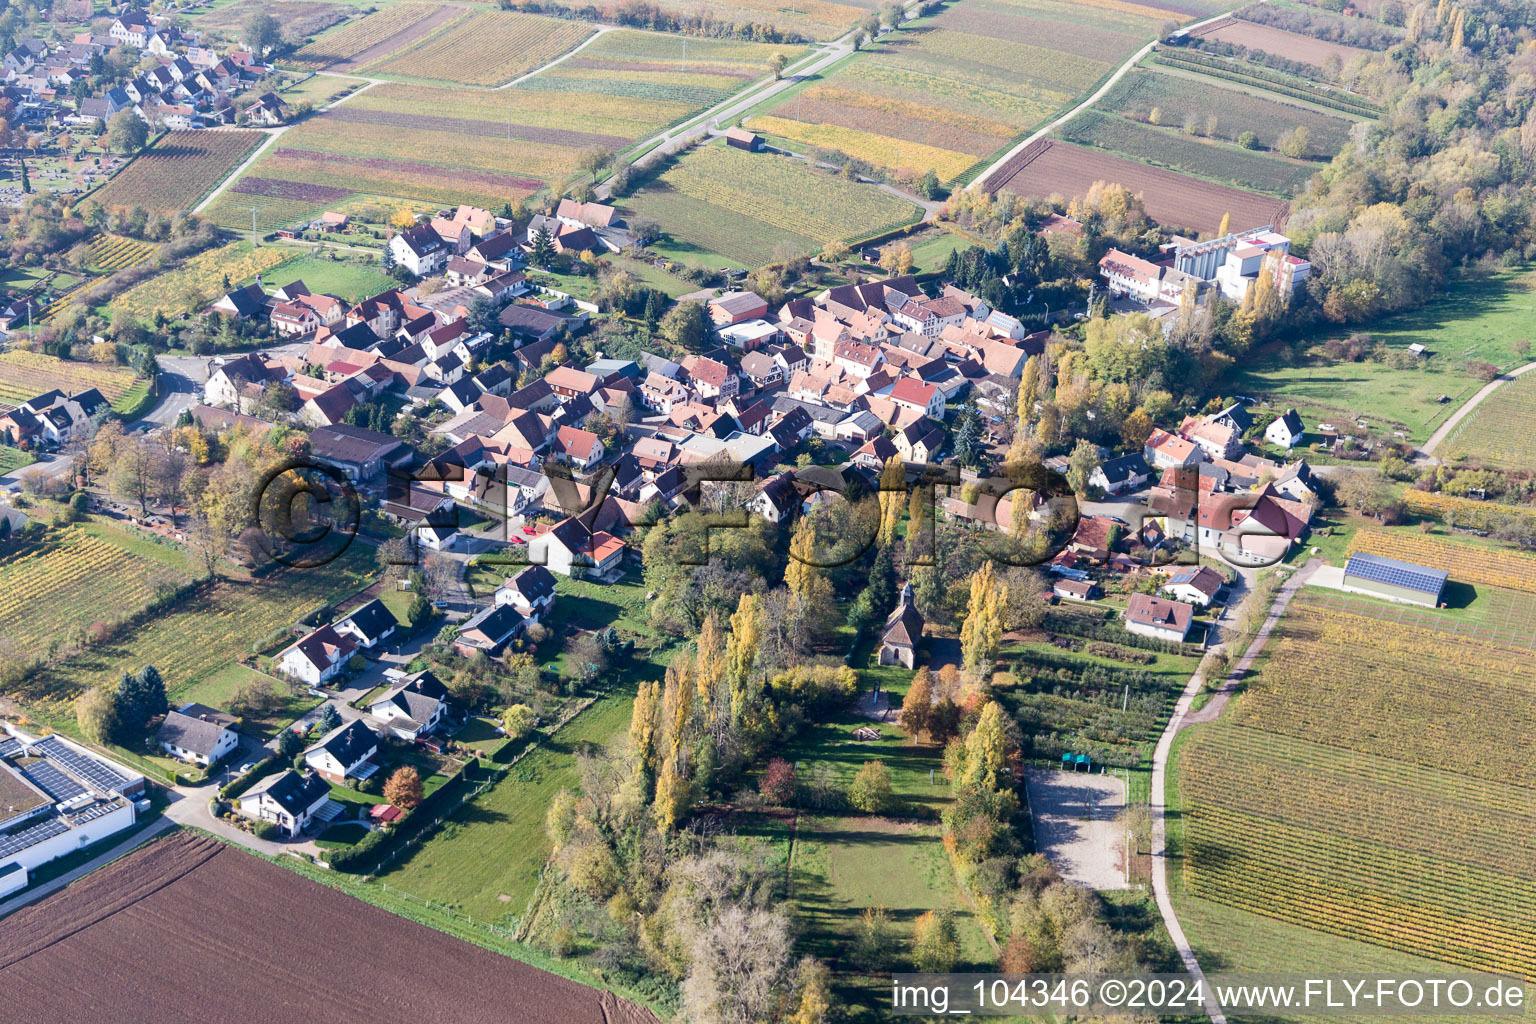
(1168, 147)
(351, 281)
(1499, 432)
(432, 146)
(178, 171)
(1177, 97)
(744, 206)
(199, 281)
(25, 375)
(1354, 789)
(944, 93)
(1480, 318)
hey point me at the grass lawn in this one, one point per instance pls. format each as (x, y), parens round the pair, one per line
(929, 251)
(218, 689)
(843, 865)
(12, 459)
(351, 281)
(1479, 319)
(582, 286)
(343, 835)
(486, 859)
(480, 733)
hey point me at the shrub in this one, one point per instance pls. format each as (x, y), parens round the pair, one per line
(265, 829)
(871, 790)
(778, 783)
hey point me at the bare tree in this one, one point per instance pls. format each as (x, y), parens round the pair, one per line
(132, 474)
(741, 967)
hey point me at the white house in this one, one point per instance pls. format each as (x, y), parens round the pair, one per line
(288, 799)
(1127, 473)
(571, 549)
(343, 753)
(420, 250)
(369, 626)
(318, 657)
(198, 734)
(777, 499)
(531, 592)
(1198, 585)
(1159, 618)
(414, 708)
(1286, 431)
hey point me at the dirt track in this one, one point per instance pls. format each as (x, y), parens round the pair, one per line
(189, 930)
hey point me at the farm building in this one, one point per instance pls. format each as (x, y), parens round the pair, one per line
(1076, 590)
(743, 139)
(1393, 580)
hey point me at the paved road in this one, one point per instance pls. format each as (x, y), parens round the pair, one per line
(1182, 717)
(1427, 449)
(1132, 61)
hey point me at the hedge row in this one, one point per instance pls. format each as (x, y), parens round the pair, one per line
(1270, 80)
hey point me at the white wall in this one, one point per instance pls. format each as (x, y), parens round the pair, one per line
(52, 849)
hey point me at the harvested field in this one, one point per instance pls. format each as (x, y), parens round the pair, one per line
(155, 925)
(299, 18)
(278, 188)
(897, 119)
(485, 129)
(178, 171)
(814, 19)
(1177, 97)
(1168, 147)
(375, 37)
(1172, 199)
(486, 48)
(1290, 45)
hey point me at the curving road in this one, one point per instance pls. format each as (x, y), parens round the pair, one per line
(1427, 449)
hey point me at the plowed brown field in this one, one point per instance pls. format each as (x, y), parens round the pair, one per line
(188, 929)
(1173, 200)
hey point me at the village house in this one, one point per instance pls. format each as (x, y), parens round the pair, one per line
(1159, 618)
(1198, 585)
(420, 250)
(489, 630)
(287, 799)
(1164, 450)
(344, 753)
(369, 626)
(1076, 590)
(413, 708)
(1286, 431)
(1126, 473)
(531, 593)
(317, 658)
(198, 734)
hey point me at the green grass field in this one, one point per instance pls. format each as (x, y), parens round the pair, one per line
(218, 689)
(345, 280)
(12, 459)
(1479, 319)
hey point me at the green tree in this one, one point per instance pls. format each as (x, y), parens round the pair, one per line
(1084, 460)
(871, 790)
(329, 718)
(289, 743)
(777, 63)
(517, 720)
(1297, 143)
(687, 326)
(140, 697)
(594, 160)
(263, 32)
(970, 441)
(1248, 140)
(127, 132)
(96, 713)
(928, 185)
(542, 253)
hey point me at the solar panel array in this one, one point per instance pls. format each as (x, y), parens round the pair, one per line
(94, 811)
(28, 837)
(1395, 573)
(88, 768)
(10, 748)
(53, 782)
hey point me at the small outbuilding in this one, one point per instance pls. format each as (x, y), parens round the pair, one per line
(743, 139)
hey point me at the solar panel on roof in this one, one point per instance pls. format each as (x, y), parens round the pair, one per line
(95, 811)
(88, 768)
(28, 837)
(1394, 573)
(10, 748)
(52, 781)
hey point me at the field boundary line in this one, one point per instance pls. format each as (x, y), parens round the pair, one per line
(567, 55)
(980, 181)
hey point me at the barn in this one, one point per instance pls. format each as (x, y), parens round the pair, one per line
(743, 139)
(1393, 580)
